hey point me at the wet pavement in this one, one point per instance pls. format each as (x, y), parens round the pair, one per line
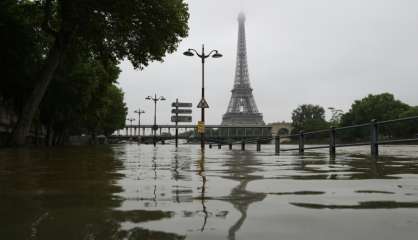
(135, 191)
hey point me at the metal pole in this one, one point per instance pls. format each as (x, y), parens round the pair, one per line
(301, 142)
(277, 148)
(258, 145)
(374, 138)
(202, 136)
(139, 126)
(332, 141)
(177, 130)
(243, 145)
(155, 121)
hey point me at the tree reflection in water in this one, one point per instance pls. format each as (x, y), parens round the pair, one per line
(67, 193)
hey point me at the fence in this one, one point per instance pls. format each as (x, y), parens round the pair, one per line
(373, 140)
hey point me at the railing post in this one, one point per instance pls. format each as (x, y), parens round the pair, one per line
(277, 143)
(219, 146)
(374, 130)
(258, 146)
(243, 145)
(301, 142)
(230, 146)
(210, 145)
(332, 141)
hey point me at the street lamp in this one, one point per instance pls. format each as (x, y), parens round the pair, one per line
(139, 112)
(131, 120)
(203, 104)
(155, 126)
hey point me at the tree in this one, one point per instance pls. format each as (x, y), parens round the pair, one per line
(138, 30)
(336, 115)
(82, 99)
(115, 116)
(408, 128)
(20, 54)
(380, 107)
(308, 117)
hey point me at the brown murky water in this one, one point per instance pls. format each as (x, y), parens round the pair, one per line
(138, 192)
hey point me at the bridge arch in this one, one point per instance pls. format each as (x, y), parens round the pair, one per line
(283, 131)
(281, 128)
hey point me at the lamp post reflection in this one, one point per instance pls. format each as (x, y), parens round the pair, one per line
(201, 173)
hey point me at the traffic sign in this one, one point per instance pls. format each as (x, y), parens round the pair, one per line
(181, 118)
(180, 104)
(181, 111)
(200, 127)
(203, 104)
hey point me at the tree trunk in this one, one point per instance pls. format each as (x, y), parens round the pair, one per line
(32, 104)
(48, 135)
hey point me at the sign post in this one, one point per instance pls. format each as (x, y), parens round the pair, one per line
(178, 108)
(201, 127)
(177, 129)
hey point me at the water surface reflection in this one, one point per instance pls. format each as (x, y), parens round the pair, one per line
(140, 192)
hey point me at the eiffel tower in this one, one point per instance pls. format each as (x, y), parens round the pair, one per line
(242, 109)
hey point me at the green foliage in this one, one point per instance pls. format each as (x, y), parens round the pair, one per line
(308, 117)
(139, 30)
(83, 99)
(59, 57)
(380, 107)
(20, 52)
(336, 115)
(408, 128)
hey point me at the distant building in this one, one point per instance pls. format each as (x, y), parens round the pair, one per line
(242, 109)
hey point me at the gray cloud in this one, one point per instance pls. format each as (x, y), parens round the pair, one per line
(327, 52)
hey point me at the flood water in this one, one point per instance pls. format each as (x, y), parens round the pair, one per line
(135, 191)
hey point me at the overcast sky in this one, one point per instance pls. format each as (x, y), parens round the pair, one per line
(326, 52)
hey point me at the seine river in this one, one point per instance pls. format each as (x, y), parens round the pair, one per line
(135, 191)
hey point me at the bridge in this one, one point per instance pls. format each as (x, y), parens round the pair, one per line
(215, 133)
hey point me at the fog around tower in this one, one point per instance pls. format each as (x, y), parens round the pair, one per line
(326, 52)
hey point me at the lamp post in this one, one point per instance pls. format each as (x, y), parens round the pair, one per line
(131, 120)
(155, 126)
(139, 112)
(215, 54)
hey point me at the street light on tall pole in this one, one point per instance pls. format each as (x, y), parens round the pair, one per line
(131, 120)
(202, 104)
(155, 126)
(139, 112)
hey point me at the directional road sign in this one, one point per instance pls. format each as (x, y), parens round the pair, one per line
(181, 111)
(180, 104)
(181, 118)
